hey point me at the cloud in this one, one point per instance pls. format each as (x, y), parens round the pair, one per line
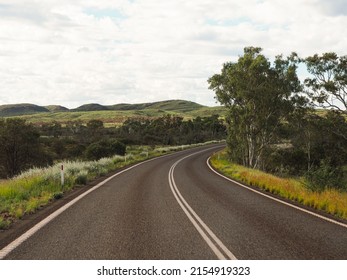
(74, 52)
(333, 7)
(23, 11)
(105, 13)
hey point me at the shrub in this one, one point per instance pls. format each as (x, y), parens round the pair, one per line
(81, 179)
(58, 195)
(4, 224)
(104, 148)
(325, 176)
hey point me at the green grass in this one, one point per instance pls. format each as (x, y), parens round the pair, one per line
(330, 200)
(35, 188)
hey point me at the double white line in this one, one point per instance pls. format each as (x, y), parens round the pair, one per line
(220, 250)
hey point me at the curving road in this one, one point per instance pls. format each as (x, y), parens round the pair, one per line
(175, 207)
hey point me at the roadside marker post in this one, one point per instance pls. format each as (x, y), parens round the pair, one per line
(62, 175)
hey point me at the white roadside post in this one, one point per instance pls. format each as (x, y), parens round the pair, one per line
(62, 175)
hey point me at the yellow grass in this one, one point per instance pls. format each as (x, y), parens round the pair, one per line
(330, 200)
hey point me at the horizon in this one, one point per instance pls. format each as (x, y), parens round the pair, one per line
(93, 103)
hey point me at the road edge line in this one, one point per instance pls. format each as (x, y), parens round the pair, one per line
(276, 199)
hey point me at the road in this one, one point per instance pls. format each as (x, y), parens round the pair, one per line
(175, 207)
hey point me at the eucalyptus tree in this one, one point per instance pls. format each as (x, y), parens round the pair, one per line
(259, 96)
(327, 85)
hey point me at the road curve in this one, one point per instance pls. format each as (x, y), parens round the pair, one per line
(175, 207)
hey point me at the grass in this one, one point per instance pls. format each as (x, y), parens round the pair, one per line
(36, 187)
(330, 200)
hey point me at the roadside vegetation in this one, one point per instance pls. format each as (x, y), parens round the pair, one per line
(272, 121)
(329, 200)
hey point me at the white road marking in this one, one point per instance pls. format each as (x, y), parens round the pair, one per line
(275, 199)
(206, 233)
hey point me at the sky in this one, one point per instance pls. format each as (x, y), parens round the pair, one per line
(73, 52)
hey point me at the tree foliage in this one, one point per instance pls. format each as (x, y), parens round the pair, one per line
(172, 130)
(328, 84)
(19, 147)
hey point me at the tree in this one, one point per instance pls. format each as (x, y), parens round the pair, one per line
(328, 86)
(53, 129)
(259, 97)
(95, 125)
(94, 130)
(325, 150)
(19, 147)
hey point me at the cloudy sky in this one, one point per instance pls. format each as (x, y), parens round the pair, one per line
(71, 52)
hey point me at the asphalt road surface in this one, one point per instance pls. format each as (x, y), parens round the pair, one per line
(175, 207)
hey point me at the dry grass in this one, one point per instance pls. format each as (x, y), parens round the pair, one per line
(330, 200)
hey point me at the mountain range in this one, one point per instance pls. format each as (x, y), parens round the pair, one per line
(178, 106)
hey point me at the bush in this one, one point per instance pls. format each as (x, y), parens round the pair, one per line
(104, 148)
(81, 179)
(117, 148)
(325, 176)
(58, 195)
(4, 224)
(285, 161)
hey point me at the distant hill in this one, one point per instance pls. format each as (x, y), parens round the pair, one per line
(21, 109)
(56, 108)
(90, 107)
(176, 105)
(168, 105)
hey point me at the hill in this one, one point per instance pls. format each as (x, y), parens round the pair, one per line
(21, 109)
(56, 108)
(90, 108)
(168, 105)
(176, 105)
